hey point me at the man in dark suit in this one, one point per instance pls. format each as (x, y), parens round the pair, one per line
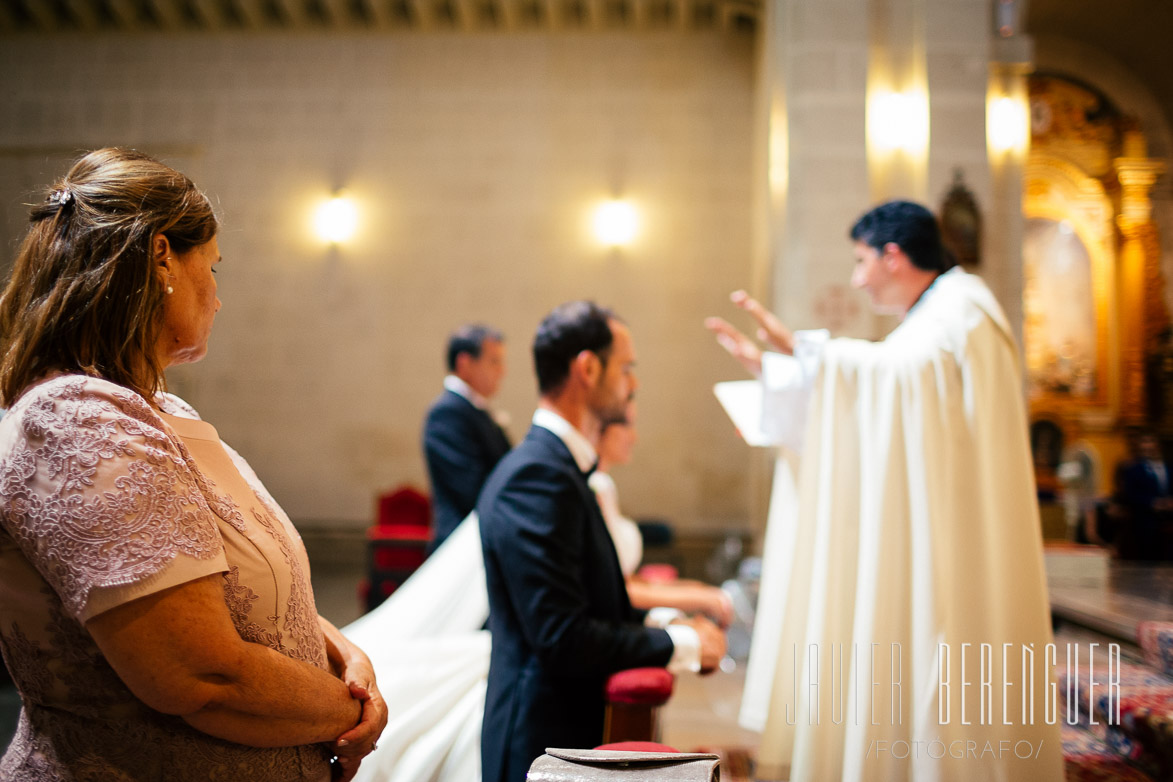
(1145, 491)
(558, 609)
(462, 442)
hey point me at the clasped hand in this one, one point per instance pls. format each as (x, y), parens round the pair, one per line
(358, 742)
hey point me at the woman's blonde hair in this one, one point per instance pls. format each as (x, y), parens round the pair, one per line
(85, 295)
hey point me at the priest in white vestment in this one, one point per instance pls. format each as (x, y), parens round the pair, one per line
(903, 622)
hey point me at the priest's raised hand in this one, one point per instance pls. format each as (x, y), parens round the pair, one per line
(770, 330)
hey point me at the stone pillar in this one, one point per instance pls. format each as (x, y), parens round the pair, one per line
(957, 60)
(811, 183)
(819, 65)
(1141, 309)
(771, 172)
(813, 78)
(1002, 267)
(897, 69)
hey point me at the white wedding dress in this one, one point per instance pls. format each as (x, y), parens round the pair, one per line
(431, 660)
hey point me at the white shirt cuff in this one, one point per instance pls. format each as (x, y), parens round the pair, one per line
(686, 649)
(686, 643)
(662, 617)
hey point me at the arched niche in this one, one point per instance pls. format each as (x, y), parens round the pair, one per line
(1093, 293)
(1069, 261)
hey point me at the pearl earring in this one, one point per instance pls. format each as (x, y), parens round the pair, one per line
(170, 290)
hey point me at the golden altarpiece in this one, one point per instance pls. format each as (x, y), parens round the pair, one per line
(1096, 330)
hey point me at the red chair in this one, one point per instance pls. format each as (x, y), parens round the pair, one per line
(396, 544)
(405, 505)
(634, 698)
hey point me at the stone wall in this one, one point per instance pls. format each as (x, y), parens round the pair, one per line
(475, 159)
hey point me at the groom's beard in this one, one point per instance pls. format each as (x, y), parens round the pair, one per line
(609, 411)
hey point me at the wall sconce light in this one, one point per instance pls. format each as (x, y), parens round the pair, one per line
(616, 223)
(336, 220)
(899, 121)
(1006, 125)
(779, 152)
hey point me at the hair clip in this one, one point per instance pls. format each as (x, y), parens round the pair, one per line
(61, 197)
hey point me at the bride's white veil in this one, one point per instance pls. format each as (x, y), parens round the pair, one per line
(431, 661)
(446, 596)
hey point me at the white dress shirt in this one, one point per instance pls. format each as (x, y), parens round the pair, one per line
(629, 544)
(461, 388)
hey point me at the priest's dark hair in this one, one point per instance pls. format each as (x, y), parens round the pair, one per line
(567, 331)
(910, 226)
(470, 338)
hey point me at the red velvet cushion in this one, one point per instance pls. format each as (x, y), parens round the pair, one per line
(637, 746)
(643, 686)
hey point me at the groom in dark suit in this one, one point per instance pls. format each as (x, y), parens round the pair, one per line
(462, 442)
(558, 610)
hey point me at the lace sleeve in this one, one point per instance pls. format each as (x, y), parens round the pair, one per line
(99, 498)
(173, 405)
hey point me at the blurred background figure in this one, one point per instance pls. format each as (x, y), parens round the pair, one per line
(462, 440)
(1146, 503)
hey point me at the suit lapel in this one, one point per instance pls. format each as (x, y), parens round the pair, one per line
(492, 432)
(598, 535)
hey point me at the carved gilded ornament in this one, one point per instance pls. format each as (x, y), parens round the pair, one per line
(1059, 191)
(1072, 123)
(1088, 171)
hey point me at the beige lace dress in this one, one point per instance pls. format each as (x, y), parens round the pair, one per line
(104, 500)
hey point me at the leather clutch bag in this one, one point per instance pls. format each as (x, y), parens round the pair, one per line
(594, 765)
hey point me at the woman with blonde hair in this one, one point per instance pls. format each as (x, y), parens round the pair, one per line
(156, 613)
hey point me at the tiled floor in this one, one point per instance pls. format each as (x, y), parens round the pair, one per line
(703, 713)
